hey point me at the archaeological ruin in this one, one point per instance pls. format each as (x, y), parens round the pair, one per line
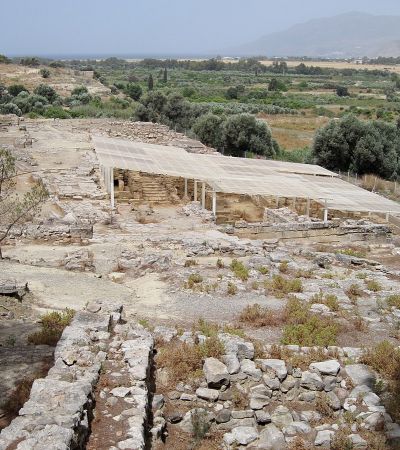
(170, 297)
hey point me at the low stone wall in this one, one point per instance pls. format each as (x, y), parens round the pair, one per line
(69, 233)
(305, 230)
(58, 413)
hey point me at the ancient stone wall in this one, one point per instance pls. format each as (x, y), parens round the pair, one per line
(59, 410)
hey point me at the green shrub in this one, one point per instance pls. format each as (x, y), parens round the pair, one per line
(240, 270)
(314, 331)
(283, 267)
(220, 264)
(190, 263)
(280, 286)
(373, 285)
(393, 301)
(232, 289)
(53, 325)
(193, 280)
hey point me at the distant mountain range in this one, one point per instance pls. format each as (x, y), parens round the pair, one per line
(348, 35)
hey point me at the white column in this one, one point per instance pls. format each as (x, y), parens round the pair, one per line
(112, 187)
(214, 203)
(186, 187)
(195, 191)
(107, 179)
(326, 212)
(203, 195)
(387, 217)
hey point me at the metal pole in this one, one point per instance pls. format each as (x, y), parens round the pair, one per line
(214, 203)
(112, 187)
(203, 195)
(195, 191)
(326, 212)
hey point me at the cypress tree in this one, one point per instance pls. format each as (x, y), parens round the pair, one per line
(150, 82)
(165, 75)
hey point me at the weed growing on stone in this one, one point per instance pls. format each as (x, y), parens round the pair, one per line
(384, 358)
(302, 273)
(53, 325)
(220, 264)
(281, 286)
(231, 289)
(191, 263)
(263, 270)
(283, 267)
(353, 252)
(240, 270)
(353, 292)
(393, 301)
(193, 280)
(373, 285)
(330, 300)
(257, 316)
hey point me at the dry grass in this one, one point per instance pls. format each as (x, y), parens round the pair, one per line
(322, 406)
(231, 289)
(53, 325)
(353, 292)
(393, 301)
(280, 286)
(373, 285)
(220, 264)
(257, 316)
(384, 358)
(298, 444)
(185, 361)
(330, 300)
(190, 263)
(338, 65)
(193, 280)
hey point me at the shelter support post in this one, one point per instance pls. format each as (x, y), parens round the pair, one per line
(308, 207)
(112, 187)
(107, 178)
(387, 217)
(195, 191)
(326, 212)
(277, 201)
(186, 187)
(294, 204)
(203, 195)
(214, 204)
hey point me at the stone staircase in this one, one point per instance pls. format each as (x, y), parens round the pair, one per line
(145, 189)
(154, 191)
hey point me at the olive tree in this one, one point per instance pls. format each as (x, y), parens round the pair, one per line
(208, 129)
(16, 209)
(362, 147)
(243, 132)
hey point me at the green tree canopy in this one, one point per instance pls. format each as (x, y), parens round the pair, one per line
(362, 147)
(243, 132)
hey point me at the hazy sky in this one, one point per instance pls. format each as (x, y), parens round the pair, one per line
(40, 27)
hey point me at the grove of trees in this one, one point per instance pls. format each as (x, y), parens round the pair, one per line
(359, 146)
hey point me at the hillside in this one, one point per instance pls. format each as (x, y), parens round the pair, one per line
(62, 80)
(346, 35)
